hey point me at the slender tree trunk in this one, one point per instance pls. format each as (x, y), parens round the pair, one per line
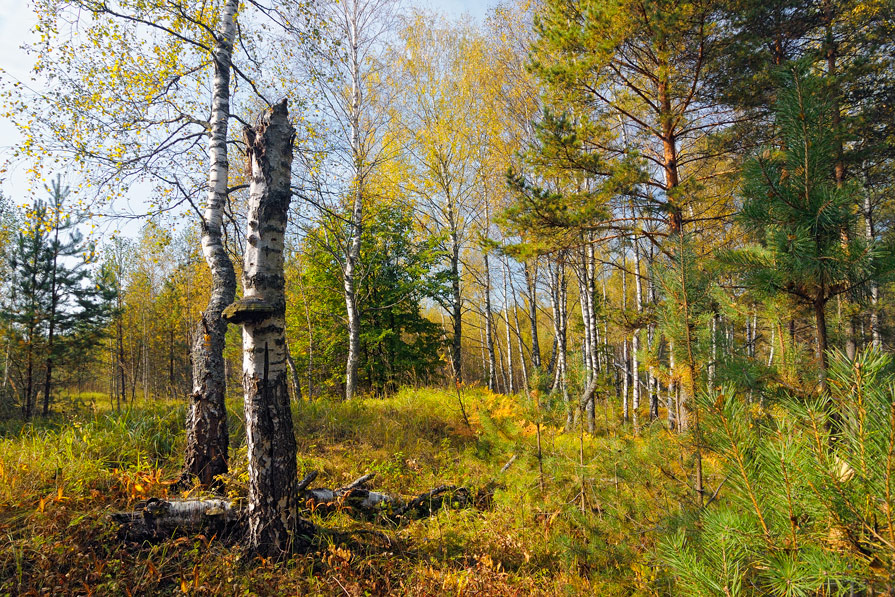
(563, 341)
(51, 316)
(531, 275)
(557, 357)
(502, 369)
(122, 382)
(275, 527)
(671, 401)
(484, 358)
(710, 370)
(354, 241)
(207, 434)
(145, 347)
(310, 327)
(583, 289)
(635, 339)
(294, 377)
(489, 328)
(651, 340)
(457, 306)
(870, 236)
(519, 339)
(6, 367)
(771, 352)
(820, 346)
(506, 319)
(27, 403)
(626, 414)
(171, 362)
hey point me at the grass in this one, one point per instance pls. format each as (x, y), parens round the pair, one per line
(59, 479)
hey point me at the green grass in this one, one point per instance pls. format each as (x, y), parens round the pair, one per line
(59, 478)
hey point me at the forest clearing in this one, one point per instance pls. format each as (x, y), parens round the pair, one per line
(366, 297)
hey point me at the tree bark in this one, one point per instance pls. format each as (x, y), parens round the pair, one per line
(207, 434)
(294, 377)
(274, 526)
(354, 240)
(506, 319)
(820, 346)
(457, 305)
(531, 281)
(635, 340)
(51, 319)
(489, 328)
(870, 236)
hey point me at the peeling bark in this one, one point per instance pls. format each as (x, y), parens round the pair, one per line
(274, 526)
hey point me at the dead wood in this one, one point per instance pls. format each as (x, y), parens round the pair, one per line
(158, 519)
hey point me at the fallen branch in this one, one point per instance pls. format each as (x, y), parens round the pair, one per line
(157, 519)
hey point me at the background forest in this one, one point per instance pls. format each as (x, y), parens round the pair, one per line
(625, 265)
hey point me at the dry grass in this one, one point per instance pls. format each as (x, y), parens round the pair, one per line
(59, 478)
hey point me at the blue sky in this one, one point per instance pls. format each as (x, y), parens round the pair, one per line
(16, 21)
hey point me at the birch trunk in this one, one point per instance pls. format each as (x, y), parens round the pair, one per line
(531, 276)
(625, 360)
(506, 319)
(870, 235)
(51, 332)
(671, 403)
(206, 428)
(354, 240)
(525, 387)
(489, 329)
(274, 524)
(651, 340)
(293, 372)
(635, 339)
(563, 341)
(457, 306)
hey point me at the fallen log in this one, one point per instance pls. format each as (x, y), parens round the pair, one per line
(157, 519)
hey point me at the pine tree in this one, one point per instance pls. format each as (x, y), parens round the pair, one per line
(797, 212)
(51, 301)
(24, 308)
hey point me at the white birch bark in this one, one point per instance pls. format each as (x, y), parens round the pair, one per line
(519, 338)
(274, 525)
(207, 434)
(869, 235)
(511, 382)
(355, 228)
(635, 339)
(489, 328)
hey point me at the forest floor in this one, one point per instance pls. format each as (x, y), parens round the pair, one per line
(60, 478)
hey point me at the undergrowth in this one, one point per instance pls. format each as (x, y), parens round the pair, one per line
(589, 526)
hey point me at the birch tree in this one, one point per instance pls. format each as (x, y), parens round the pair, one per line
(345, 69)
(127, 102)
(274, 525)
(437, 112)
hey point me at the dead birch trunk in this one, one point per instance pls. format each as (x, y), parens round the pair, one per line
(274, 526)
